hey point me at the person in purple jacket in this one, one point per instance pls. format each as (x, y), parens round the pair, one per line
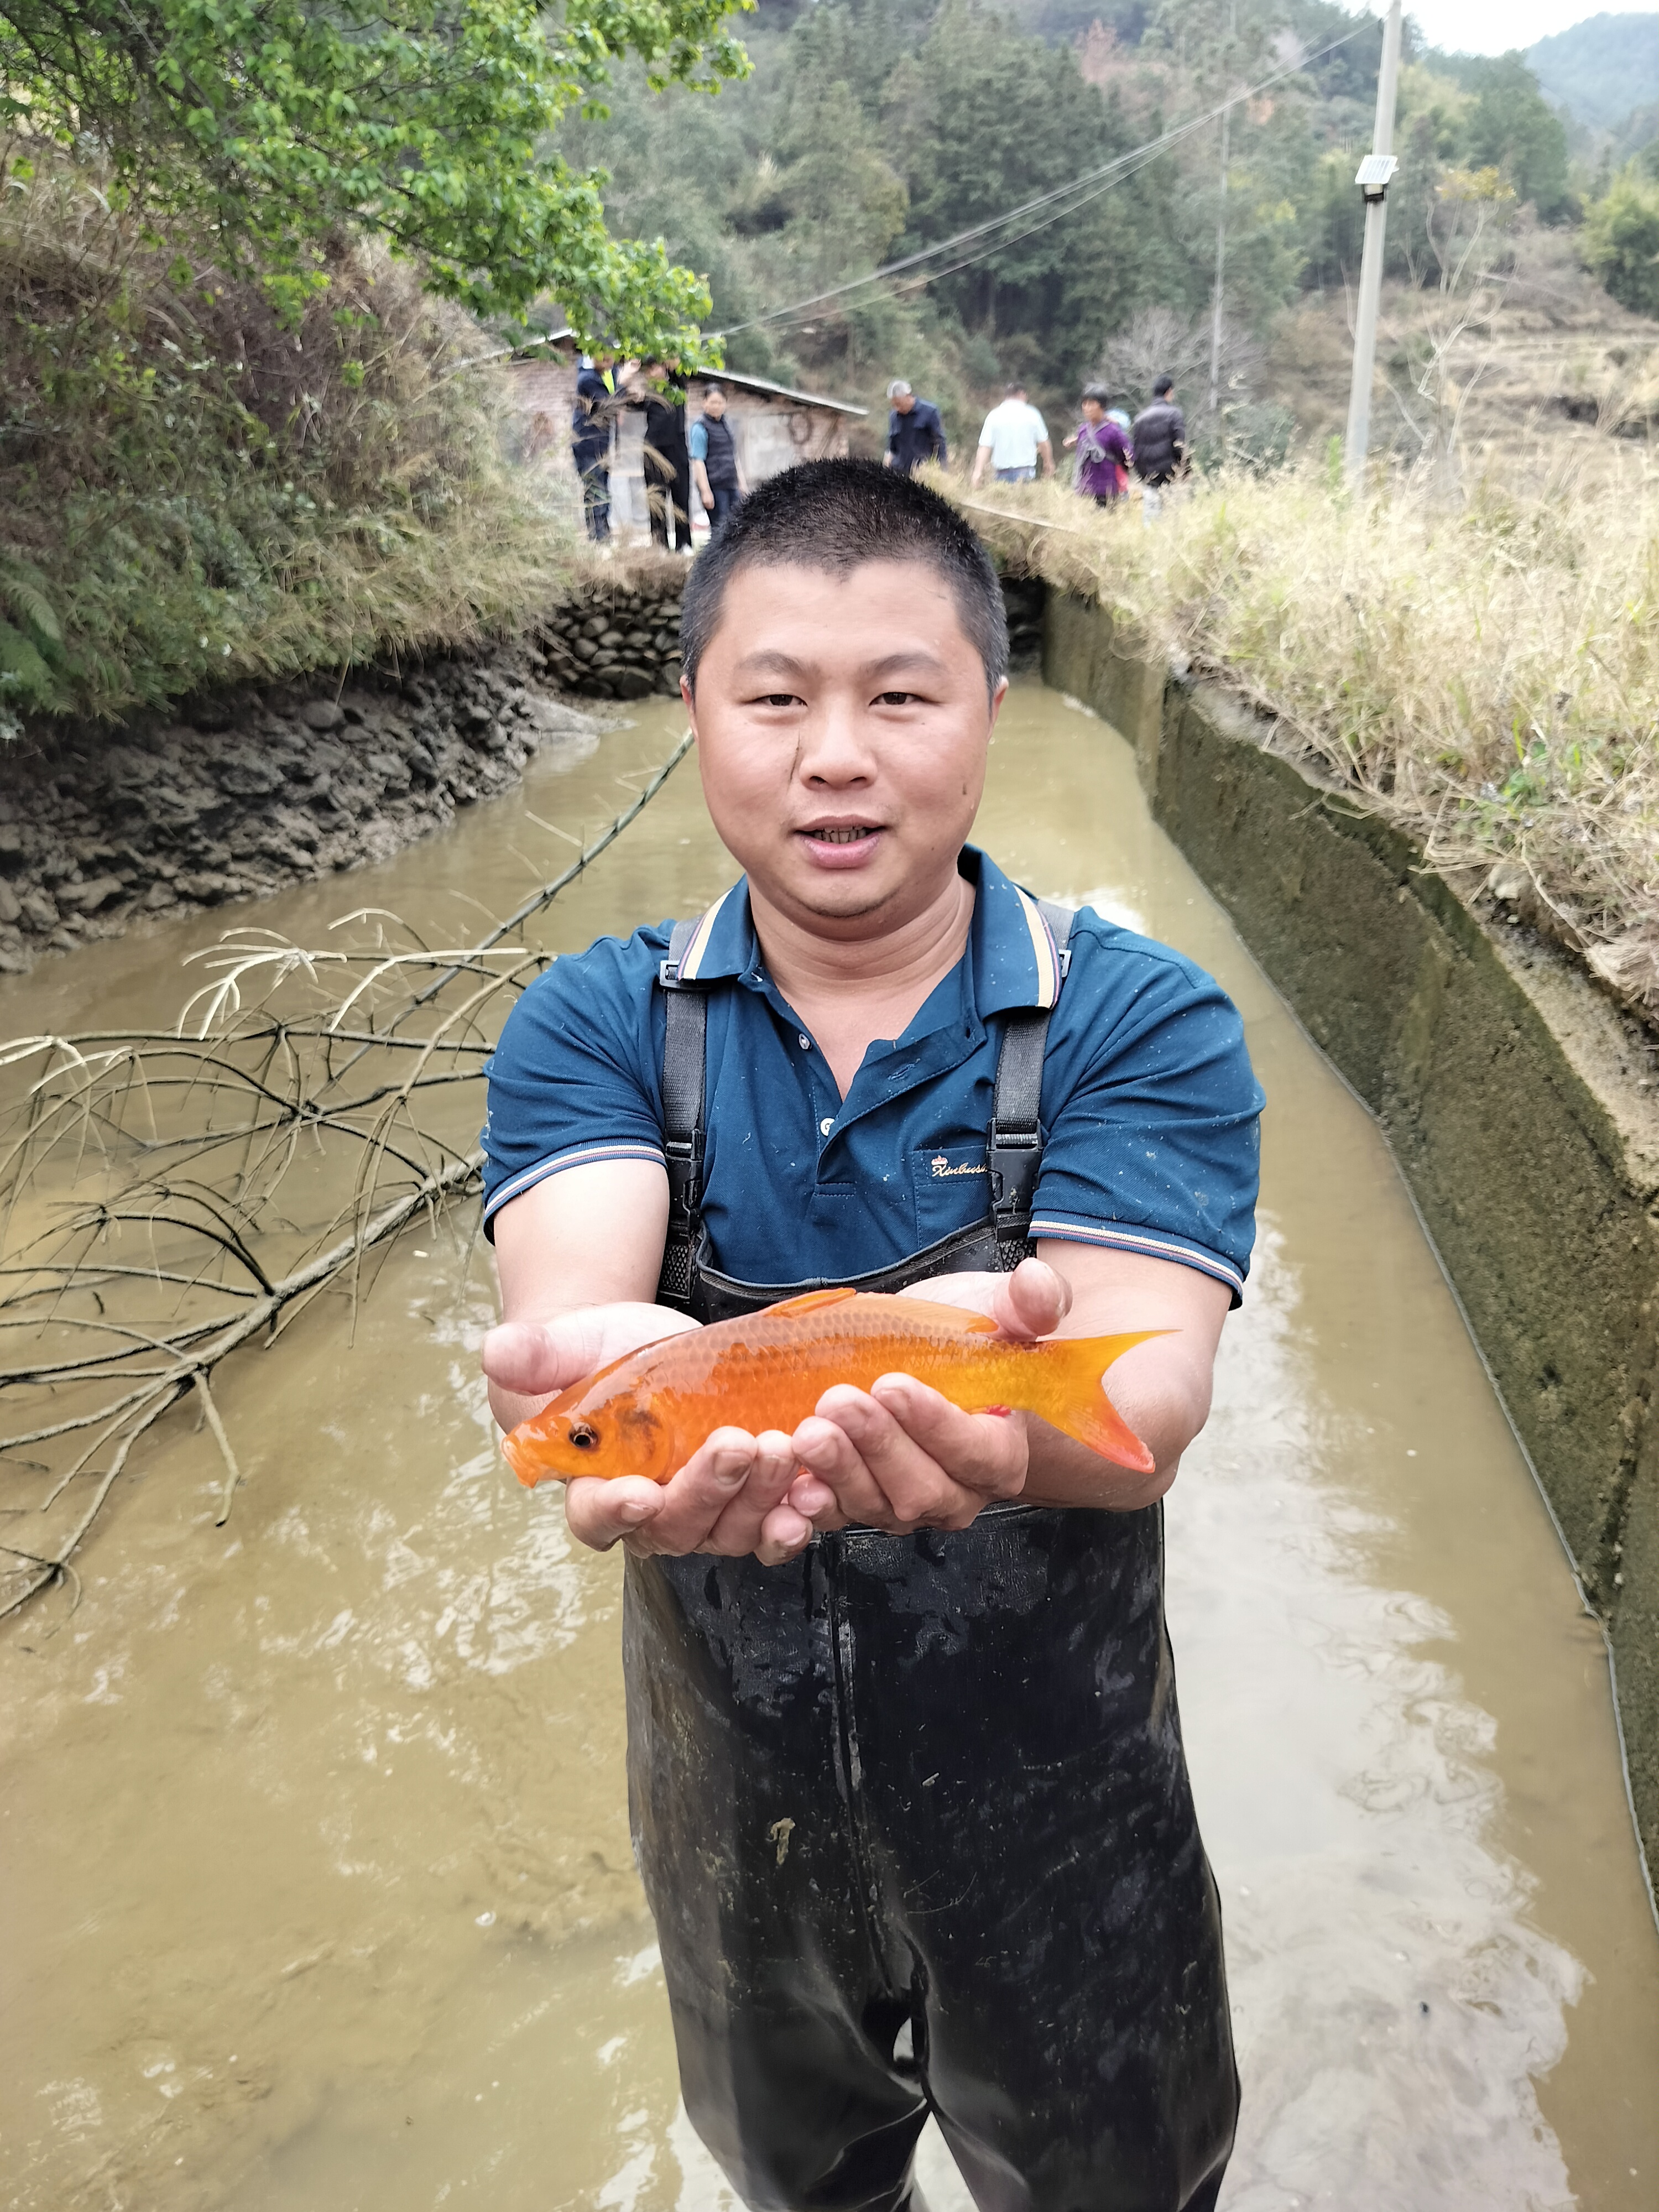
(1102, 450)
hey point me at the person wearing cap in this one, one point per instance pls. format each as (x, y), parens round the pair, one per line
(1014, 438)
(593, 419)
(915, 433)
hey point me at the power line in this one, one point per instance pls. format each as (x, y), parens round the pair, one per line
(1089, 186)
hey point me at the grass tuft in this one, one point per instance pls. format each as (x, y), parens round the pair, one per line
(1485, 674)
(192, 493)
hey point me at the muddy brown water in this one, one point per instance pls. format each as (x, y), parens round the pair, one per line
(314, 1851)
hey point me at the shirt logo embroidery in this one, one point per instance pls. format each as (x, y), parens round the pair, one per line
(941, 1166)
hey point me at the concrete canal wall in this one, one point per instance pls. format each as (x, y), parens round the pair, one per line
(1517, 1100)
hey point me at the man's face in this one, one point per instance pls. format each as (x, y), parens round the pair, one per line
(1093, 411)
(714, 404)
(842, 723)
(904, 401)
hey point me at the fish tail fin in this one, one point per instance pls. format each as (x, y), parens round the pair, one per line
(1077, 1403)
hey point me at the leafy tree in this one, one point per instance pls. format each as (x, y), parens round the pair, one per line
(274, 124)
(1510, 127)
(1621, 240)
(1005, 118)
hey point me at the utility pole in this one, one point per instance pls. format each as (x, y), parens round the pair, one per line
(1375, 173)
(1221, 227)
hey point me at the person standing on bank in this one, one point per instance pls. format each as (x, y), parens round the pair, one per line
(915, 431)
(667, 460)
(1013, 437)
(715, 468)
(590, 420)
(1158, 438)
(904, 1758)
(1102, 450)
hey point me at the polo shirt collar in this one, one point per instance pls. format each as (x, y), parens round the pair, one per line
(1014, 961)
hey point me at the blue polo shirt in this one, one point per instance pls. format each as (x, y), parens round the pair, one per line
(1148, 1104)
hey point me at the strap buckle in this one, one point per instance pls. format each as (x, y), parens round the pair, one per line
(1015, 1157)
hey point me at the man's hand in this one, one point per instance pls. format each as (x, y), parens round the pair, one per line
(730, 1496)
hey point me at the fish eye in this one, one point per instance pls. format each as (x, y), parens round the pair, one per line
(582, 1436)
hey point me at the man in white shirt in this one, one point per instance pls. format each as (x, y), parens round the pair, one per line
(1013, 436)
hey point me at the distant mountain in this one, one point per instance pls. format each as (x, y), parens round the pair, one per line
(1600, 68)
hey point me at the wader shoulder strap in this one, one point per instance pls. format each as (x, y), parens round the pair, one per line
(686, 1012)
(1016, 1133)
(1015, 1144)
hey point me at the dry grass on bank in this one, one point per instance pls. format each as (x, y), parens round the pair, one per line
(191, 491)
(1484, 673)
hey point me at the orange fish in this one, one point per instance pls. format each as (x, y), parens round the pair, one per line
(647, 1413)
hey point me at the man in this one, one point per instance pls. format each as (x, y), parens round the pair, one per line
(667, 459)
(1013, 436)
(915, 432)
(1159, 439)
(905, 1768)
(715, 467)
(591, 422)
(1102, 450)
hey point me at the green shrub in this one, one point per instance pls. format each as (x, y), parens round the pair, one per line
(190, 488)
(1621, 240)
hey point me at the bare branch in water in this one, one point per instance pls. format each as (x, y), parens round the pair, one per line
(223, 1174)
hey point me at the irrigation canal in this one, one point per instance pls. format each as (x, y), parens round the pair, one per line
(313, 1833)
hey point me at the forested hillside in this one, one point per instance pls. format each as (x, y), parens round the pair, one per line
(870, 130)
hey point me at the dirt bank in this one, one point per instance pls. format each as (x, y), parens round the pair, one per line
(250, 788)
(1519, 1101)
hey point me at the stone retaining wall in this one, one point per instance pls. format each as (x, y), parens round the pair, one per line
(1519, 1102)
(612, 642)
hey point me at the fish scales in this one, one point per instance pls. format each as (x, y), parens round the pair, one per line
(648, 1413)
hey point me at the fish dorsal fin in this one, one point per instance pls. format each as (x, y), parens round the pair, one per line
(944, 1316)
(811, 1301)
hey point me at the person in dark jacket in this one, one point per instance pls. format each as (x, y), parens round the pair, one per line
(1159, 439)
(715, 468)
(591, 422)
(667, 457)
(915, 432)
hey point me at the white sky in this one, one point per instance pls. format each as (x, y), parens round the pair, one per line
(1492, 26)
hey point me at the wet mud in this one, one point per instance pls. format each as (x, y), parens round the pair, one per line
(313, 1832)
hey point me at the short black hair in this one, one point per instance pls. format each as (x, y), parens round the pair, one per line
(1099, 394)
(837, 515)
(1161, 384)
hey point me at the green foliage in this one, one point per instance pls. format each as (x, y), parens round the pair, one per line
(1510, 127)
(999, 120)
(271, 125)
(190, 488)
(1621, 240)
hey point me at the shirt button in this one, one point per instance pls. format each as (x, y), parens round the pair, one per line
(806, 1041)
(826, 1125)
